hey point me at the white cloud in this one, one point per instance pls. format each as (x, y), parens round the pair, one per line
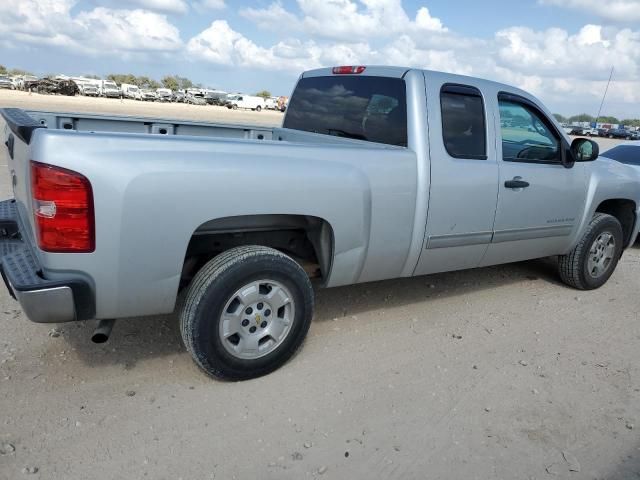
(589, 54)
(98, 31)
(623, 11)
(222, 45)
(169, 6)
(212, 4)
(128, 30)
(271, 18)
(345, 20)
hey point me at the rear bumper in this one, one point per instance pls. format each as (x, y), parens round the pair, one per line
(43, 301)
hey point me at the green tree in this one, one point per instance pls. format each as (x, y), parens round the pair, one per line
(184, 83)
(608, 119)
(19, 71)
(121, 78)
(583, 117)
(632, 122)
(3, 69)
(560, 118)
(95, 77)
(171, 82)
(264, 94)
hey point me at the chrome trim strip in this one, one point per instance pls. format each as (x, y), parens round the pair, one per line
(516, 234)
(459, 240)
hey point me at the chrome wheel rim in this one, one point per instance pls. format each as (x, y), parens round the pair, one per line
(601, 254)
(256, 319)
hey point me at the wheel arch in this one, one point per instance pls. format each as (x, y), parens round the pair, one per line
(624, 210)
(307, 239)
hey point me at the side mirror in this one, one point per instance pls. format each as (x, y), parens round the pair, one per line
(584, 150)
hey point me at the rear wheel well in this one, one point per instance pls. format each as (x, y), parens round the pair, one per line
(625, 211)
(307, 239)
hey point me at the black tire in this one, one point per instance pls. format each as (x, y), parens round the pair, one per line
(211, 289)
(573, 266)
(258, 108)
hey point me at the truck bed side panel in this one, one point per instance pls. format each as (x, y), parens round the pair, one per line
(152, 192)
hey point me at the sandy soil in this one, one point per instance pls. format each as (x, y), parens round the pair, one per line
(499, 372)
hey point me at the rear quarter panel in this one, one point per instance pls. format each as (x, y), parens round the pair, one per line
(152, 192)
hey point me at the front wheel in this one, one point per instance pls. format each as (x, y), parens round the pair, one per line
(590, 264)
(258, 108)
(246, 312)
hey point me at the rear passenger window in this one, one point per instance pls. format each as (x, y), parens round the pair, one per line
(463, 124)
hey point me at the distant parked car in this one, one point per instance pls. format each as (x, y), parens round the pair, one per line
(249, 102)
(5, 82)
(28, 82)
(88, 89)
(590, 132)
(271, 103)
(283, 102)
(130, 91)
(635, 135)
(194, 100)
(575, 130)
(177, 97)
(216, 98)
(164, 95)
(147, 95)
(109, 89)
(619, 133)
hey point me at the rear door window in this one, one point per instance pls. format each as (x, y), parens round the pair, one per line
(361, 107)
(463, 122)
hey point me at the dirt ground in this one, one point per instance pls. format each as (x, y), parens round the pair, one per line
(498, 372)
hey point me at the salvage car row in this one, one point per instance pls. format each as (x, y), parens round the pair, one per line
(620, 131)
(89, 87)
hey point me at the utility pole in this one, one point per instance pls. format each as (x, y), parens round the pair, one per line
(603, 97)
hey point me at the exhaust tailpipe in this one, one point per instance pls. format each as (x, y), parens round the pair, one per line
(103, 330)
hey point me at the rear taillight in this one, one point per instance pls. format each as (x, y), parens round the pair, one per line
(62, 209)
(347, 69)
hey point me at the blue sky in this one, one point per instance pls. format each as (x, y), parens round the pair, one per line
(560, 50)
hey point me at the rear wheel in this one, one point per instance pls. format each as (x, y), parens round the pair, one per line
(258, 108)
(246, 312)
(590, 264)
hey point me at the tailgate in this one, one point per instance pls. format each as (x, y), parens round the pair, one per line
(19, 131)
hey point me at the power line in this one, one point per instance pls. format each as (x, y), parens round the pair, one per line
(603, 97)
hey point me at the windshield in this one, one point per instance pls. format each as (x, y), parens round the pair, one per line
(110, 85)
(365, 108)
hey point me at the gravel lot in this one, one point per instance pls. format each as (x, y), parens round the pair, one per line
(499, 372)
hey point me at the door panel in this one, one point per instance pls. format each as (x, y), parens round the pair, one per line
(463, 191)
(537, 220)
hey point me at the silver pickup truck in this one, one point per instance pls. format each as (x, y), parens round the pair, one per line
(376, 173)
